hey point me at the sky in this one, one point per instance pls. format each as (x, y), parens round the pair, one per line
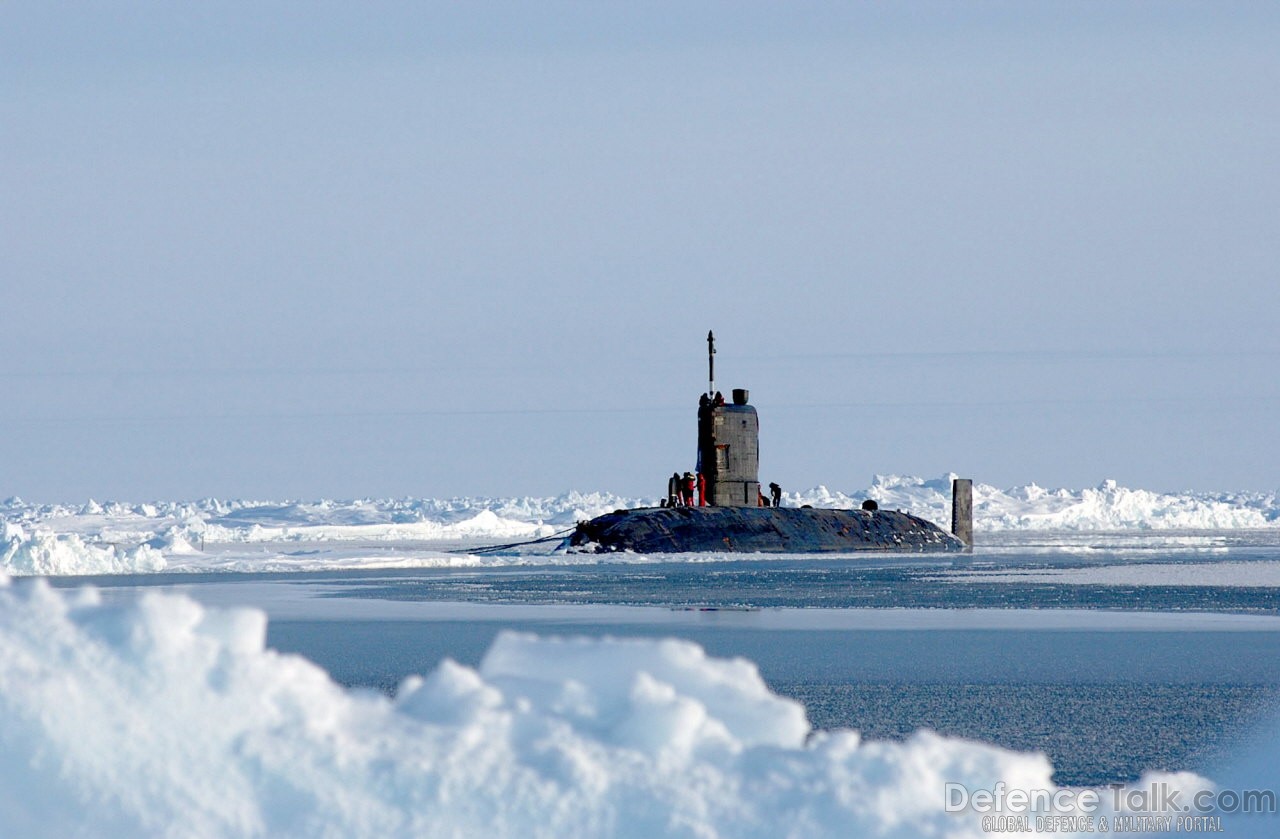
(285, 250)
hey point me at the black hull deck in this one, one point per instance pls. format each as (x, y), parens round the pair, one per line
(759, 530)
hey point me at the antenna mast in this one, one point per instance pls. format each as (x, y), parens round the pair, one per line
(711, 363)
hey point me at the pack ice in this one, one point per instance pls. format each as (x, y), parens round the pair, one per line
(251, 536)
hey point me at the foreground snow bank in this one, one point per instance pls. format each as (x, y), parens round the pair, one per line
(158, 717)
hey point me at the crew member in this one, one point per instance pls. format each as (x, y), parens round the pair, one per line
(775, 492)
(702, 490)
(673, 489)
(687, 489)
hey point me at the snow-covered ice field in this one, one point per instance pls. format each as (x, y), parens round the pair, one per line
(250, 536)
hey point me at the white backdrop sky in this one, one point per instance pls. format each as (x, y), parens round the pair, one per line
(338, 249)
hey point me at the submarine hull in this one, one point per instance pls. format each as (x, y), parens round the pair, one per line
(759, 530)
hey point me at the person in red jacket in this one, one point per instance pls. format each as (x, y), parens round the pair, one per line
(687, 489)
(702, 490)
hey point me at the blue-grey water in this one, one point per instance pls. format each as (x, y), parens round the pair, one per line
(1108, 680)
(807, 583)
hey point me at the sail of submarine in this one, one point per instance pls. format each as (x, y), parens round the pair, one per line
(732, 517)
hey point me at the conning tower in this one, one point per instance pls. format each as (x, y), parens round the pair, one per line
(728, 444)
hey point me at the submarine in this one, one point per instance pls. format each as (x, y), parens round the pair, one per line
(731, 515)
